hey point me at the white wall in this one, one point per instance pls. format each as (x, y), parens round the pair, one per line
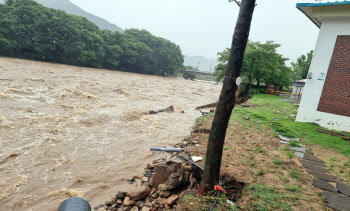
(330, 29)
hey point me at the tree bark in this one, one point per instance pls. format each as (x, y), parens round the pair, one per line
(227, 97)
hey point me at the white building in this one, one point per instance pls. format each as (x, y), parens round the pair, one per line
(326, 96)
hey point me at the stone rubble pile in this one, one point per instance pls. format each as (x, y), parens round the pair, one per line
(162, 186)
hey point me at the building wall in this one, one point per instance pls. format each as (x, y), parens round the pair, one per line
(335, 98)
(330, 29)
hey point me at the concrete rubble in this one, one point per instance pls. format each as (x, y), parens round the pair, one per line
(170, 178)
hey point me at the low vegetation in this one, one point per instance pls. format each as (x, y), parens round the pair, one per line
(268, 108)
(253, 154)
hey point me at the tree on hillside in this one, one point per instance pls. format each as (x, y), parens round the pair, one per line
(32, 31)
(166, 56)
(302, 65)
(227, 99)
(261, 64)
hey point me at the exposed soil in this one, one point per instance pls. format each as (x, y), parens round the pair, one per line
(249, 150)
(72, 131)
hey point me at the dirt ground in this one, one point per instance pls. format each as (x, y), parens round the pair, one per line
(73, 131)
(253, 155)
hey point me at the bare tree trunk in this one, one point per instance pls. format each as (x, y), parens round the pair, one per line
(227, 97)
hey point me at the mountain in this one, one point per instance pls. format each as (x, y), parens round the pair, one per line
(203, 64)
(69, 7)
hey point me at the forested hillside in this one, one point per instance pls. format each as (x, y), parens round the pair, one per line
(32, 31)
(70, 8)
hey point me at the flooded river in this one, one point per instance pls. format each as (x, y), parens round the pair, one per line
(72, 131)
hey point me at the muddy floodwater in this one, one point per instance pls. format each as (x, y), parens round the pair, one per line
(73, 131)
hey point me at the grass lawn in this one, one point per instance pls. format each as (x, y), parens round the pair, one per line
(269, 107)
(273, 176)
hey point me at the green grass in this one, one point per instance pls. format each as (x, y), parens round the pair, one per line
(267, 198)
(277, 162)
(293, 188)
(258, 150)
(226, 148)
(259, 172)
(284, 178)
(294, 143)
(271, 107)
(290, 155)
(294, 174)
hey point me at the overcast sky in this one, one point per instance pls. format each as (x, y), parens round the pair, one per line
(205, 27)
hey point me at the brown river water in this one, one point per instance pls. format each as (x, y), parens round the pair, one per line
(73, 131)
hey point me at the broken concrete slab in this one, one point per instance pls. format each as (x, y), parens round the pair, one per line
(284, 142)
(344, 189)
(307, 164)
(313, 158)
(298, 149)
(318, 183)
(337, 201)
(299, 154)
(326, 177)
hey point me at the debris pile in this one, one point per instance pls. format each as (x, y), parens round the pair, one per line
(163, 185)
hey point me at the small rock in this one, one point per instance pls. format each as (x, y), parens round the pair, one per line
(138, 193)
(150, 166)
(146, 209)
(182, 112)
(258, 122)
(162, 187)
(246, 118)
(152, 112)
(134, 209)
(161, 201)
(194, 142)
(119, 201)
(131, 179)
(184, 143)
(109, 203)
(127, 209)
(121, 195)
(171, 200)
(145, 184)
(145, 179)
(138, 176)
(187, 168)
(154, 195)
(140, 204)
(128, 202)
(166, 207)
(164, 194)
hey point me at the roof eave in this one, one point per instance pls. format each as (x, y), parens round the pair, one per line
(314, 20)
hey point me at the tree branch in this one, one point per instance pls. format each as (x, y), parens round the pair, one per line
(237, 3)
